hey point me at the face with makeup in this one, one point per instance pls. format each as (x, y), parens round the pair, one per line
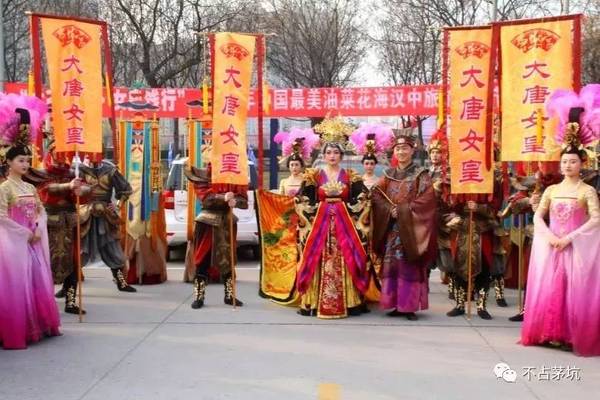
(332, 155)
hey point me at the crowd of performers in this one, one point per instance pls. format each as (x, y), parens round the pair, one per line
(360, 239)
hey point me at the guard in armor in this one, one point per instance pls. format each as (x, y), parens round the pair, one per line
(440, 178)
(100, 220)
(212, 236)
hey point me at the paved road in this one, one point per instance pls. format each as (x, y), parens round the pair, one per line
(152, 345)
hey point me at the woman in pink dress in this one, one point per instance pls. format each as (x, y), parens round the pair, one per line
(28, 310)
(563, 285)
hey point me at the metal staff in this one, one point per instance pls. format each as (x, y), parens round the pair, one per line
(470, 265)
(231, 255)
(78, 243)
(521, 260)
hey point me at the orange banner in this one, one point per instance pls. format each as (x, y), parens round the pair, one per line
(536, 58)
(234, 55)
(75, 75)
(467, 81)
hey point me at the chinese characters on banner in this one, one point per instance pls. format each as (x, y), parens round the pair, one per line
(468, 57)
(285, 102)
(74, 70)
(536, 59)
(234, 55)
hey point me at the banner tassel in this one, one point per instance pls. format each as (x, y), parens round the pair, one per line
(539, 126)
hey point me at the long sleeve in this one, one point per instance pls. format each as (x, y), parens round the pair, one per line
(593, 223)
(382, 215)
(538, 218)
(282, 187)
(122, 188)
(3, 201)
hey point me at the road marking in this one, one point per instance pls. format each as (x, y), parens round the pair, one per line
(329, 391)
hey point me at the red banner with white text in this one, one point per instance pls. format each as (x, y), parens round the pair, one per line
(285, 102)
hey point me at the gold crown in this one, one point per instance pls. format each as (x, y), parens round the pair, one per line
(435, 145)
(572, 140)
(334, 130)
(23, 137)
(370, 144)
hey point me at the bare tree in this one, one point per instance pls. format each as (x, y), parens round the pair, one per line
(591, 43)
(155, 40)
(16, 28)
(410, 40)
(317, 43)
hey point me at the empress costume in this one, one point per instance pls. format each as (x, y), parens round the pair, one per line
(332, 272)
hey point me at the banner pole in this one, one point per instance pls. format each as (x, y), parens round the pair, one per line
(78, 242)
(470, 265)
(232, 257)
(521, 259)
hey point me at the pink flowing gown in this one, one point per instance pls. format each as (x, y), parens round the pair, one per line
(28, 310)
(563, 287)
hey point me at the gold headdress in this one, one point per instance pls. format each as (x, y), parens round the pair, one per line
(404, 136)
(334, 131)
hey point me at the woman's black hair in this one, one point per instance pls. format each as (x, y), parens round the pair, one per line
(581, 153)
(369, 156)
(295, 157)
(16, 151)
(337, 146)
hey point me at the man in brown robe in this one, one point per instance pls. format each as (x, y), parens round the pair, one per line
(404, 232)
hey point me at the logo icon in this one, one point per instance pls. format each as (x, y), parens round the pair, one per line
(503, 371)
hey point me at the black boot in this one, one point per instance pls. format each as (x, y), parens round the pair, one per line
(61, 293)
(395, 313)
(411, 316)
(71, 301)
(461, 298)
(120, 281)
(305, 312)
(229, 293)
(518, 317)
(482, 305)
(199, 292)
(499, 289)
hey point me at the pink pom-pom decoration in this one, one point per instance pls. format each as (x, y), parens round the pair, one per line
(561, 102)
(309, 139)
(384, 137)
(10, 119)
